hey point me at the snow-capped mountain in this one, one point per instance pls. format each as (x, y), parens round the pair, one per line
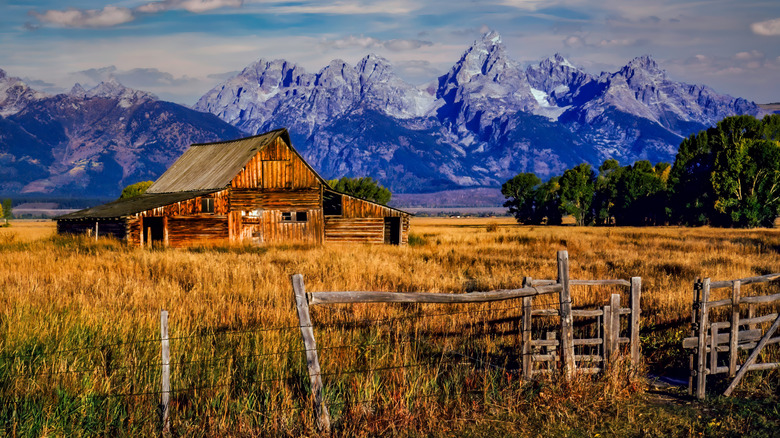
(15, 94)
(482, 122)
(94, 142)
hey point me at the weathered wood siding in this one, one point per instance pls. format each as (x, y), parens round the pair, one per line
(268, 227)
(368, 230)
(253, 199)
(184, 231)
(116, 228)
(276, 167)
(363, 221)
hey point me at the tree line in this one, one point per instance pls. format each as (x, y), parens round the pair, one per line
(728, 175)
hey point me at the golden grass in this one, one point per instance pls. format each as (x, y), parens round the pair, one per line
(62, 293)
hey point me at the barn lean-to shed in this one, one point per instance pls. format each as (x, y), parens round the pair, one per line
(252, 190)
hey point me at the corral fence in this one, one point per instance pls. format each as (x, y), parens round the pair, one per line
(602, 330)
(377, 352)
(717, 326)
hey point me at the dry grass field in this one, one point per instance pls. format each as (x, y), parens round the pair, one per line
(79, 318)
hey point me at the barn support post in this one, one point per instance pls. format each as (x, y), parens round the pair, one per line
(321, 413)
(567, 323)
(165, 394)
(635, 298)
(527, 308)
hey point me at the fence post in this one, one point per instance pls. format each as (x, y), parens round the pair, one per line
(312, 361)
(701, 371)
(96, 231)
(606, 342)
(697, 285)
(734, 337)
(527, 308)
(614, 304)
(636, 293)
(567, 324)
(165, 395)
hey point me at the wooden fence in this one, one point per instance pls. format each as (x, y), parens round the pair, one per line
(535, 352)
(707, 340)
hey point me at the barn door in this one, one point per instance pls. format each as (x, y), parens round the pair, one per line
(154, 230)
(393, 230)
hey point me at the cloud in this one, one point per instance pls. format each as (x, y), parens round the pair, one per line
(767, 28)
(196, 6)
(111, 16)
(341, 7)
(370, 43)
(86, 18)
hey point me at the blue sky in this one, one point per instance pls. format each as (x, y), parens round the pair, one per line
(179, 49)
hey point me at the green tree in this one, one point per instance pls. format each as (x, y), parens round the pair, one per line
(605, 191)
(730, 174)
(136, 189)
(363, 187)
(520, 192)
(576, 192)
(641, 194)
(8, 209)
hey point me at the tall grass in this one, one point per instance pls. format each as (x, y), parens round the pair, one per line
(74, 304)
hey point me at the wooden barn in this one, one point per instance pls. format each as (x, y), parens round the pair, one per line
(253, 190)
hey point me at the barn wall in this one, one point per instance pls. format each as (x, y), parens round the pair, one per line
(185, 231)
(252, 199)
(268, 227)
(276, 167)
(368, 230)
(116, 228)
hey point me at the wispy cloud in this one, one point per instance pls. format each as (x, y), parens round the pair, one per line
(767, 28)
(111, 16)
(370, 43)
(86, 18)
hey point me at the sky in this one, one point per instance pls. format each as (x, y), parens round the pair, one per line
(179, 49)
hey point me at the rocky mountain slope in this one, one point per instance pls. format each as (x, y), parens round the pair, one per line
(482, 122)
(93, 142)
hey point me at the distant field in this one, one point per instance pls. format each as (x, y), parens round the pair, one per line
(63, 294)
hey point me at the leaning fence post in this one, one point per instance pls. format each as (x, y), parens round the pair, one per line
(567, 324)
(701, 371)
(636, 293)
(527, 308)
(165, 395)
(606, 342)
(312, 361)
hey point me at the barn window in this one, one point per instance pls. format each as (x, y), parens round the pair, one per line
(207, 205)
(295, 216)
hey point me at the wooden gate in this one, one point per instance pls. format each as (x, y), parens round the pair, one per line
(731, 332)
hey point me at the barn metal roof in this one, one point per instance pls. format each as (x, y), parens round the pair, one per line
(127, 207)
(213, 165)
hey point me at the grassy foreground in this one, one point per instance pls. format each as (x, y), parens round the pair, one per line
(79, 319)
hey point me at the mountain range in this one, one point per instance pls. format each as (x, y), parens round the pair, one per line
(486, 119)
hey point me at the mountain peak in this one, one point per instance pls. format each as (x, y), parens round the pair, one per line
(113, 89)
(77, 90)
(491, 38)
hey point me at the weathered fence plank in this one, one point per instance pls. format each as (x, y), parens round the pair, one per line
(527, 315)
(752, 358)
(416, 297)
(614, 304)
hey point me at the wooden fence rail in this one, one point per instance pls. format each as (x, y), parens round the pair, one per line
(539, 356)
(707, 340)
